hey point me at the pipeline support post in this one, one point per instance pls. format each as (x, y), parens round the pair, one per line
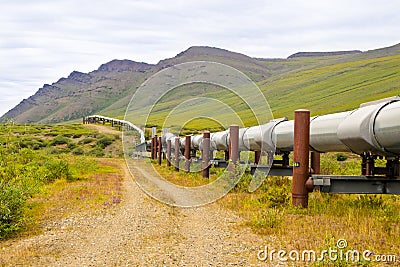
(226, 155)
(187, 153)
(176, 153)
(301, 144)
(257, 157)
(169, 143)
(152, 148)
(159, 150)
(155, 146)
(205, 155)
(233, 146)
(315, 162)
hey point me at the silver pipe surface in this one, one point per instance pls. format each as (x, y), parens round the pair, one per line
(373, 128)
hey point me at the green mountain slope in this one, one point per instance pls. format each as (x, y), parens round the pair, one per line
(334, 87)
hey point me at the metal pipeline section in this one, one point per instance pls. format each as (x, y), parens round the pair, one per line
(373, 128)
(122, 122)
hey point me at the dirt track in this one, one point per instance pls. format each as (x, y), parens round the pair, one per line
(142, 232)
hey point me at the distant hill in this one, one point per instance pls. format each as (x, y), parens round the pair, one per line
(323, 82)
(324, 54)
(81, 94)
(252, 67)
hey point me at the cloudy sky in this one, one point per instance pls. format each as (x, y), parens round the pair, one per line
(44, 40)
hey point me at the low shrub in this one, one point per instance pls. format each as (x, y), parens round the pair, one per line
(57, 169)
(78, 151)
(12, 201)
(96, 152)
(86, 141)
(270, 218)
(60, 140)
(104, 141)
(341, 157)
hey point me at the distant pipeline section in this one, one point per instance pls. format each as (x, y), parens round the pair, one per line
(122, 123)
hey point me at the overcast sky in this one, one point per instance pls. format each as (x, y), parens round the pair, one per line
(44, 40)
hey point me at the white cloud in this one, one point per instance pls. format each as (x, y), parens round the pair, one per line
(42, 41)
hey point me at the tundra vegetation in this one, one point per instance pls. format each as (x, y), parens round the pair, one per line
(44, 168)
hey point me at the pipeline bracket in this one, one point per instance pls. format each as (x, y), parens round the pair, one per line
(355, 184)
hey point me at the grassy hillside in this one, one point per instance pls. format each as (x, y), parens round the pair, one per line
(334, 87)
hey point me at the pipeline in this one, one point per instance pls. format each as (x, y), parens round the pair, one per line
(372, 128)
(124, 123)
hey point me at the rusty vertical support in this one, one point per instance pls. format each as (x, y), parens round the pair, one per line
(370, 166)
(393, 167)
(152, 148)
(112, 123)
(363, 164)
(176, 153)
(205, 155)
(155, 146)
(169, 143)
(234, 143)
(83, 120)
(187, 153)
(226, 153)
(233, 146)
(159, 150)
(257, 157)
(315, 162)
(301, 144)
(285, 159)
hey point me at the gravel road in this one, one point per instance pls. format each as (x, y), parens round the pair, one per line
(141, 231)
